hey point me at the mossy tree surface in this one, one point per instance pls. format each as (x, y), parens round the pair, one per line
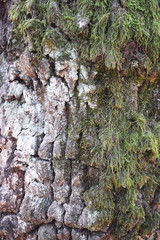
(95, 27)
(125, 147)
(121, 135)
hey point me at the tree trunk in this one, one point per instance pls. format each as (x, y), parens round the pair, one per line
(79, 121)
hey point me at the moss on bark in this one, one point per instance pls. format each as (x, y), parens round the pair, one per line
(96, 28)
(120, 136)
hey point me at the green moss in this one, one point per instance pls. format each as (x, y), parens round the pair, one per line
(33, 30)
(18, 12)
(103, 201)
(100, 28)
(54, 40)
(122, 140)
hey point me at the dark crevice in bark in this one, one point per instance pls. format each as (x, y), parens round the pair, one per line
(77, 82)
(53, 174)
(52, 65)
(70, 182)
(67, 108)
(28, 85)
(64, 81)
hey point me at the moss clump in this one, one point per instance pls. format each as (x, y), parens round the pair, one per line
(28, 20)
(122, 139)
(99, 28)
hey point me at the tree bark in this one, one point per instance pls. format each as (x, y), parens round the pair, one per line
(79, 140)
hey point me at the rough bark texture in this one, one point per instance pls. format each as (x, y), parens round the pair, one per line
(53, 121)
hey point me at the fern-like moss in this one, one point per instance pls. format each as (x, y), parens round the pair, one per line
(99, 28)
(122, 141)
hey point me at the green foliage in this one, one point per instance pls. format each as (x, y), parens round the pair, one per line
(99, 28)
